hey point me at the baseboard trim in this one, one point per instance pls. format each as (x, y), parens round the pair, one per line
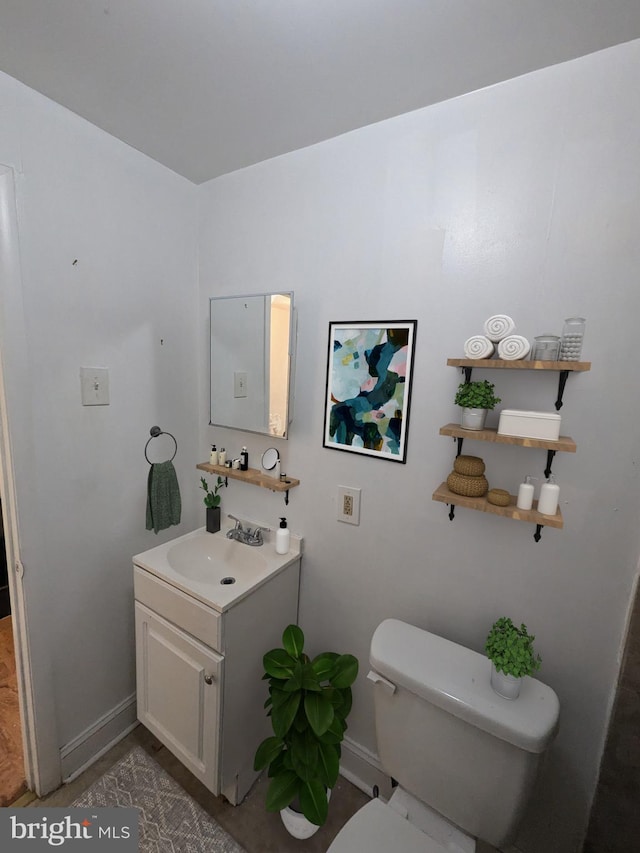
(93, 742)
(363, 769)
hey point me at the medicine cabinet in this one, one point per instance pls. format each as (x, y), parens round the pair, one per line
(252, 357)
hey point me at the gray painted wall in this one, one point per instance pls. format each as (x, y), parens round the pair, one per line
(521, 199)
(81, 472)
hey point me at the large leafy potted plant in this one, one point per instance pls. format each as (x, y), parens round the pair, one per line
(510, 650)
(476, 399)
(212, 503)
(309, 701)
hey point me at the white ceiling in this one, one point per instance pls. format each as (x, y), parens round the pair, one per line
(210, 86)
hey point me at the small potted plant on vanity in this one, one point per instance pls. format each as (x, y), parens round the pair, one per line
(309, 701)
(212, 503)
(476, 398)
(510, 650)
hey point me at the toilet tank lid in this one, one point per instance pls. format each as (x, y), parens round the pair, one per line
(457, 680)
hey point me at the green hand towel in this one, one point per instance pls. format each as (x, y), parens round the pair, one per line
(163, 497)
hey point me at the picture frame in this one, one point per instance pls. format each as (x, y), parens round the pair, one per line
(368, 392)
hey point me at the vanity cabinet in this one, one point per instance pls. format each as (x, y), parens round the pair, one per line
(199, 672)
(179, 683)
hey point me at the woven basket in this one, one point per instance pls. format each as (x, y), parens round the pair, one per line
(469, 487)
(498, 497)
(470, 465)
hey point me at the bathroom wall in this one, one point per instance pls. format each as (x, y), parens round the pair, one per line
(108, 278)
(522, 199)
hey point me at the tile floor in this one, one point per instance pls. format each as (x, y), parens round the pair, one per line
(257, 830)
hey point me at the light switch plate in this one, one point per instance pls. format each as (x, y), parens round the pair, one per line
(348, 505)
(240, 383)
(94, 386)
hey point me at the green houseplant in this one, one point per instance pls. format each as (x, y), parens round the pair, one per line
(510, 650)
(476, 398)
(309, 701)
(212, 503)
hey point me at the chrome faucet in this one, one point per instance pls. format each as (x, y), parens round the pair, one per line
(245, 534)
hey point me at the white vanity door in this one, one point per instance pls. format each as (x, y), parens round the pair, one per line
(178, 681)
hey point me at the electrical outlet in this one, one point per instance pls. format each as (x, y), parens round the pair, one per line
(348, 505)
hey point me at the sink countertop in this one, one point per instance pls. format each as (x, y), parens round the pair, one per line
(212, 592)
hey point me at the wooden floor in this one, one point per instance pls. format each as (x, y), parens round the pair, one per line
(12, 781)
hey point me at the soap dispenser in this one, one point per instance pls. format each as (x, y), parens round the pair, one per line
(283, 537)
(213, 456)
(549, 496)
(525, 493)
(244, 459)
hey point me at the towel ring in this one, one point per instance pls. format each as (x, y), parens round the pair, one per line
(155, 431)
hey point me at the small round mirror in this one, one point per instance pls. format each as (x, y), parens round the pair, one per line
(269, 459)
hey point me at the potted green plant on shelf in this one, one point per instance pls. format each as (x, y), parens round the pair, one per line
(476, 399)
(212, 503)
(309, 701)
(510, 650)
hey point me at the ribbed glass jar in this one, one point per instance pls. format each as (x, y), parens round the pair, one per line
(572, 337)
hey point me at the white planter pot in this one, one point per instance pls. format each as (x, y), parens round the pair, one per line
(297, 824)
(507, 686)
(473, 418)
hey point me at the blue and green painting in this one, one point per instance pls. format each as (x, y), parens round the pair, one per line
(368, 387)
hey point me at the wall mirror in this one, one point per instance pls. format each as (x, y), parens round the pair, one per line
(252, 354)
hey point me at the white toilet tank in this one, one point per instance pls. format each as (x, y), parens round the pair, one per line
(448, 738)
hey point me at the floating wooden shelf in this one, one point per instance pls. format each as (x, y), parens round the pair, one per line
(252, 475)
(564, 443)
(491, 434)
(501, 364)
(445, 495)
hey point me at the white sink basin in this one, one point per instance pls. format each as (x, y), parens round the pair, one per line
(208, 559)
(216, 570)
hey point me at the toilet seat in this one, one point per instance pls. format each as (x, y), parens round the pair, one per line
(377, 828)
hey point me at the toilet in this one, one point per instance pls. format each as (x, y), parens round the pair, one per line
(465, 759)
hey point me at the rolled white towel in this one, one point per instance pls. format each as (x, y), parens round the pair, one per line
(478, 346)
(498, 327)
(514, 348)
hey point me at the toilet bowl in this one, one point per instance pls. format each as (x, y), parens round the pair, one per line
(465, 758)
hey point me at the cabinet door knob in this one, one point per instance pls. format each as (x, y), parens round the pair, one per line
(208, 679)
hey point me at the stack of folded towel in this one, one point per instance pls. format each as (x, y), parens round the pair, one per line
(498, 327)
(478, 346)
(499, 330)
(514, 347)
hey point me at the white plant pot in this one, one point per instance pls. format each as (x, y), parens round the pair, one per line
(507, 686)
(296, 823)
(473, 418)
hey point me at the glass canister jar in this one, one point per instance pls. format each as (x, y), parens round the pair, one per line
(546, 348)
(572, 337)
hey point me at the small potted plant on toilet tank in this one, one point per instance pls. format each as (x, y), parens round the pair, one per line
(476, 398)
(510, 650)
(309, 701)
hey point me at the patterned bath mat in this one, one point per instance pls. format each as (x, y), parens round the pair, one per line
(170, 820)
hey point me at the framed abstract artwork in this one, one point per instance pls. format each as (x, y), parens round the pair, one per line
(369, 373)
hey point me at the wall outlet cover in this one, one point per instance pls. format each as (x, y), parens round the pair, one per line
(348, 505)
